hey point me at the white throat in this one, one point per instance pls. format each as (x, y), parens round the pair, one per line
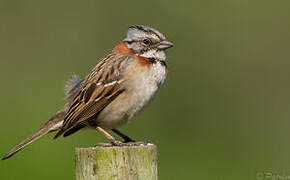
(155, 54)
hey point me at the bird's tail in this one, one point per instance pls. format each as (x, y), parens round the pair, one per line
(53, 124)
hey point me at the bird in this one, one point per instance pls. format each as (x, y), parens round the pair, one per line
(120, 86)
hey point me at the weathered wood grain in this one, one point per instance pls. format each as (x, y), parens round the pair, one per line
(116, 163)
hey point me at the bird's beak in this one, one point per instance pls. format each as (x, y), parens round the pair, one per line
(164, 45)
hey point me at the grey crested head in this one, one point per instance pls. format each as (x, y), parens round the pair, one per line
(147, 42)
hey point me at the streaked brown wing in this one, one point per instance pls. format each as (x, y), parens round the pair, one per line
(98, 89)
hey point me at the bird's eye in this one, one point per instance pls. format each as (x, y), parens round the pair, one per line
(146, 41)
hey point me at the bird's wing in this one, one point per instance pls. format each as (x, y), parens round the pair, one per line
(100, 87)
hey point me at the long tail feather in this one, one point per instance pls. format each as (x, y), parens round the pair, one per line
(53, 124)
(26, 142)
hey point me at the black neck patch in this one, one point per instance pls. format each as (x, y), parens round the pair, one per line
(163, 63)
(153, 61)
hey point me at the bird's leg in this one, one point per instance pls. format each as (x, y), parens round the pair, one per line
(115, 142)
(108, 136)
(128, 141)
(125, 137)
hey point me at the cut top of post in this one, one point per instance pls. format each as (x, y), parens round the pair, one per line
(125, 162)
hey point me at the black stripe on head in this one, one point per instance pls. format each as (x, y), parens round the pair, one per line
(148, 29)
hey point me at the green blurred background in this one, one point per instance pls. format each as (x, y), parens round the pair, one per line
(223, 112)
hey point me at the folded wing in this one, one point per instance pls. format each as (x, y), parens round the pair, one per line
(97, 90)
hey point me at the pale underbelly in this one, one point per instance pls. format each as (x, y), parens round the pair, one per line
(139, 92)
(126, 107)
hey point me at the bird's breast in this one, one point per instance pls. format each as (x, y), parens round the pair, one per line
(141, 85)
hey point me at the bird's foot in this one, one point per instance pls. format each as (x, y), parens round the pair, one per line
(113, 143)
(138, 143)
(119, 143)
(104, 144)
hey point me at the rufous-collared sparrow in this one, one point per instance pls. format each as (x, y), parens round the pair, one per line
(116, 90)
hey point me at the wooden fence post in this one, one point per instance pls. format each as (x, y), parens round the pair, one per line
(116, 163)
